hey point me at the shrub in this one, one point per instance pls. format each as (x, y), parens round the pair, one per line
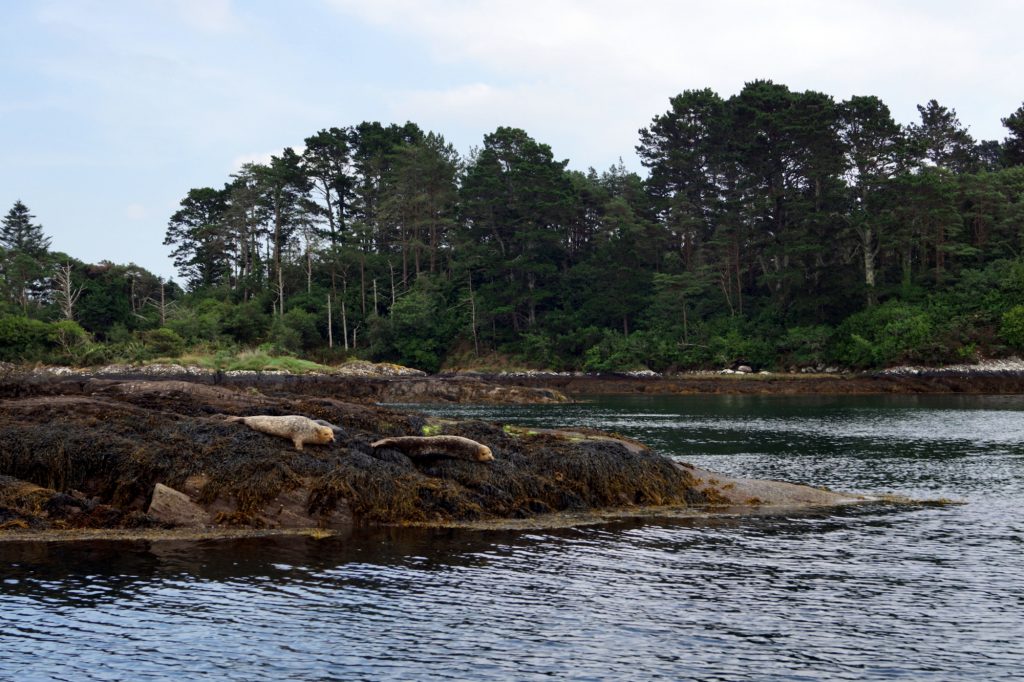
(68, 341)
(163, 342)
(615, 353)
(805, 346)
(22, 338)
(201, 323)
(246, 322)
(733, 347)
(886, 334)
(284, 340)
(305, 325)
(1012, 328)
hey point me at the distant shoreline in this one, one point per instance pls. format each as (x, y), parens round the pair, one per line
(368, 382)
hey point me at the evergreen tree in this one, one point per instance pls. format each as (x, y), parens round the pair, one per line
(519, 205)
(876, 151)
(18, 233)
(25, 249)
(942, 139)
(325, 162)
(199, 233)
(1013, 145)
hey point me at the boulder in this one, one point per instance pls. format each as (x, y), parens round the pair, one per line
(176, 508)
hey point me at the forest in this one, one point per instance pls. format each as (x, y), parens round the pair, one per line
(780, 229)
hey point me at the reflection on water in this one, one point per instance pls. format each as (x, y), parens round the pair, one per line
(866, 593)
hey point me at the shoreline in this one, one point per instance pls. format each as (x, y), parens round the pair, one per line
(139, 457)
(553, 521)
(931, 382)
(368, 383)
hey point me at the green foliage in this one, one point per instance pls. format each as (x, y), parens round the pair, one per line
(283, 338)
(246, 323)
(616, 353)
(199, 323)
(771, 224)
(255, 361)
(416, 333)
(23, 339)
(69, 337)
(884, 335)
(163, 342)
(1012, 328)
(304, 325)
(538, 350)
(733, 347)
(27, 340)
(805, 346)
(18, 233)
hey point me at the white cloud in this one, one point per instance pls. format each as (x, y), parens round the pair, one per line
(597, 63)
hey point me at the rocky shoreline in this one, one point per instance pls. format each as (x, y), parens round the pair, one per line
(147, 452)
(909, 381)
(143, 458)
(373, 383)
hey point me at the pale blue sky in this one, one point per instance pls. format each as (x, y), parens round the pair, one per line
(110, 111)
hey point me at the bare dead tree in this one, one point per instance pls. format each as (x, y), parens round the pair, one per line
(162, 306)
(67, 295)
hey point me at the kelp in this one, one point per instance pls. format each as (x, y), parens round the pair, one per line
(100, 452)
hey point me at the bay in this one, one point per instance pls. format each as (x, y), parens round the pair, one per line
(869, 592)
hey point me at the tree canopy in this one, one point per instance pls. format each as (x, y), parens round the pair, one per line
(774, 227)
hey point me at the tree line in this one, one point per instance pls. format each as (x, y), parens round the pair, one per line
(777, 228)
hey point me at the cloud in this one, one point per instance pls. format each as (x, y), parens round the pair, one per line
(579, 55)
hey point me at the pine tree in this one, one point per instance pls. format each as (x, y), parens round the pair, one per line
(942, 139)
(1013, 145)
(17, 233)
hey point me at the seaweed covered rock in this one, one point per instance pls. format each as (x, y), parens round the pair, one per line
(97, 457)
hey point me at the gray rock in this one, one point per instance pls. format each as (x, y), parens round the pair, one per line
(176, 508)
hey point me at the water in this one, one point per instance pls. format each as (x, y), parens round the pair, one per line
(873, 592)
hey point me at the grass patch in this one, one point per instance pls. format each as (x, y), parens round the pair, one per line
(251, 361)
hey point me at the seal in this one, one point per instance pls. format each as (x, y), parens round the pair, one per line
(449, 446)
(338, 431)
(299, 430)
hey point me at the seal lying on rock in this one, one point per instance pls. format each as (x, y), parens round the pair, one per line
(299, 430)
(338, 431)
(451, 446)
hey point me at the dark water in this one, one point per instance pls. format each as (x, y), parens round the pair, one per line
(866, 593)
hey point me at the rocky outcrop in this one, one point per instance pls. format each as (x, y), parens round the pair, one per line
(404, 387)
(160, 455)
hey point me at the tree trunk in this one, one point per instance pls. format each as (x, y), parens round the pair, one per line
(277, 260)
(330, 331)
(344, 325)
(362, 280)
(392, 269)
(472, 317)
(869, 264)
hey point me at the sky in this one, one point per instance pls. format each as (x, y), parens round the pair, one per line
(111, 110)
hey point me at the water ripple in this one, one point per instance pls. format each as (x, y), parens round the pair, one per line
(874, 592)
